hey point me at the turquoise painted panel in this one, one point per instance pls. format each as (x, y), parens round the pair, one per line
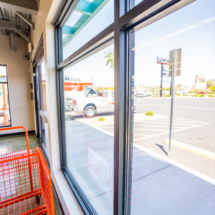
(67, 30)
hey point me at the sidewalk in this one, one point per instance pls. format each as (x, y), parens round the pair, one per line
(158, 187)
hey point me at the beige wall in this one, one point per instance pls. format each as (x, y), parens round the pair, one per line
(44, 23)
(19, 79)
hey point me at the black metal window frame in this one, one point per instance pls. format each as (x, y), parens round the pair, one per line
(6, 82)
(127, 19)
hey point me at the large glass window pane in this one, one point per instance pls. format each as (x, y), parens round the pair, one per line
(45, 135)
(4, 98)
(180, 183)
(4, 106)
(87, 20)
(89, 127)
(43, 87)
(3, 74)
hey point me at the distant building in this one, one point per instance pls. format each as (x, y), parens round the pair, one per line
(200, 82)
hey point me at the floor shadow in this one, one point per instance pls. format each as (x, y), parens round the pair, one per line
(162, 148)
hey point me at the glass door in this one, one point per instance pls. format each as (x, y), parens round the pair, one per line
(42, 107)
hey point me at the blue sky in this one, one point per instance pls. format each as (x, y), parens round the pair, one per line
(191, 28)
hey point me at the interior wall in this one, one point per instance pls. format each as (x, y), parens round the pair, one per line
(19, 79)
(44, 23)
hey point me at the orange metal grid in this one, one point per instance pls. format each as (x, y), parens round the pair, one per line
(25, 182)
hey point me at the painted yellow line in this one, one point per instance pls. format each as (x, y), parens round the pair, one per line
(192, 149)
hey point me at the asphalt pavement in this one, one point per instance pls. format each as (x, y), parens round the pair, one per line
(158, 186)
(199, 110)
(193, 127)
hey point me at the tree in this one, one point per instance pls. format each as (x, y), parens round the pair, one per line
(110, 58)
(212, 88)
(209, 84)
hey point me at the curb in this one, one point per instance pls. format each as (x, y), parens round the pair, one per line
(192, 149)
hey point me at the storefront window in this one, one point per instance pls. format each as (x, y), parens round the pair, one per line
(4, 98)
(89, 108)
(180, 110)
(87, 20)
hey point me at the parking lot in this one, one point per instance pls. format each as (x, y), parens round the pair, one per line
(193, 126)
(147, 128)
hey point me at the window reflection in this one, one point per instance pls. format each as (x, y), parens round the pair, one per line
(163, 184)
(87, 20)
(89, 109)
(4, 98)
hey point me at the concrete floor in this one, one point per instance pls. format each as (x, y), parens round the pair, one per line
(17, 143)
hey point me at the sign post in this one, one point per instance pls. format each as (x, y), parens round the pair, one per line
(162, 61)
(174, 70)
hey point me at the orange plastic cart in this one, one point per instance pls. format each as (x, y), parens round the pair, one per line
(25, 182)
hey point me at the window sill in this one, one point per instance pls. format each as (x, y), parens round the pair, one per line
(65, 194)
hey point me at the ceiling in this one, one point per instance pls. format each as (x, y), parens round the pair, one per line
(11, 16)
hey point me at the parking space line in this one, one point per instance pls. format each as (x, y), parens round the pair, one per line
(173, 123)
(172, 131)
(155, 125)
(181, 120)
(148, 129)
(178, 107)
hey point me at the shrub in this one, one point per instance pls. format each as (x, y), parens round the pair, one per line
(211, 95)
(101, 119)
(202, 95)
(184, 95)
(149, 113)
(163, 95)
(168, 95)
(196, 95)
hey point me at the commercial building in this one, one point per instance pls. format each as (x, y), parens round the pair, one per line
(200, 81)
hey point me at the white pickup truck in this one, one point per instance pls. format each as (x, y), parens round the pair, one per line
(90, 105)
(101, 102)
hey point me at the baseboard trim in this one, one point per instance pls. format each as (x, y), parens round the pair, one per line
(17, 133)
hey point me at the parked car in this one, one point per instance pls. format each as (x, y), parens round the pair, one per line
(141, 92)
(182, 92)
(165, 92)
(103, 103)
(69, 103)
(148, 92)
(202, 92)
(89, 92)
(92, 104)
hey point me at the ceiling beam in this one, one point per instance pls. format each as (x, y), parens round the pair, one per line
(26, 19)
(12, 26)
(22, 34)
(24, 6)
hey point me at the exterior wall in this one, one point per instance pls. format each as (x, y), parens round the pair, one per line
(19, 79)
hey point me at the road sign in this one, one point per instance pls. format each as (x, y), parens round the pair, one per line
(175, 62)
(162, 60)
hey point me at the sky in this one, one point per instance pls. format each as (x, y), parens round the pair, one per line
(191, 28)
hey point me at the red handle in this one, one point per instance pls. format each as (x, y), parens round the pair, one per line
(26, 134)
